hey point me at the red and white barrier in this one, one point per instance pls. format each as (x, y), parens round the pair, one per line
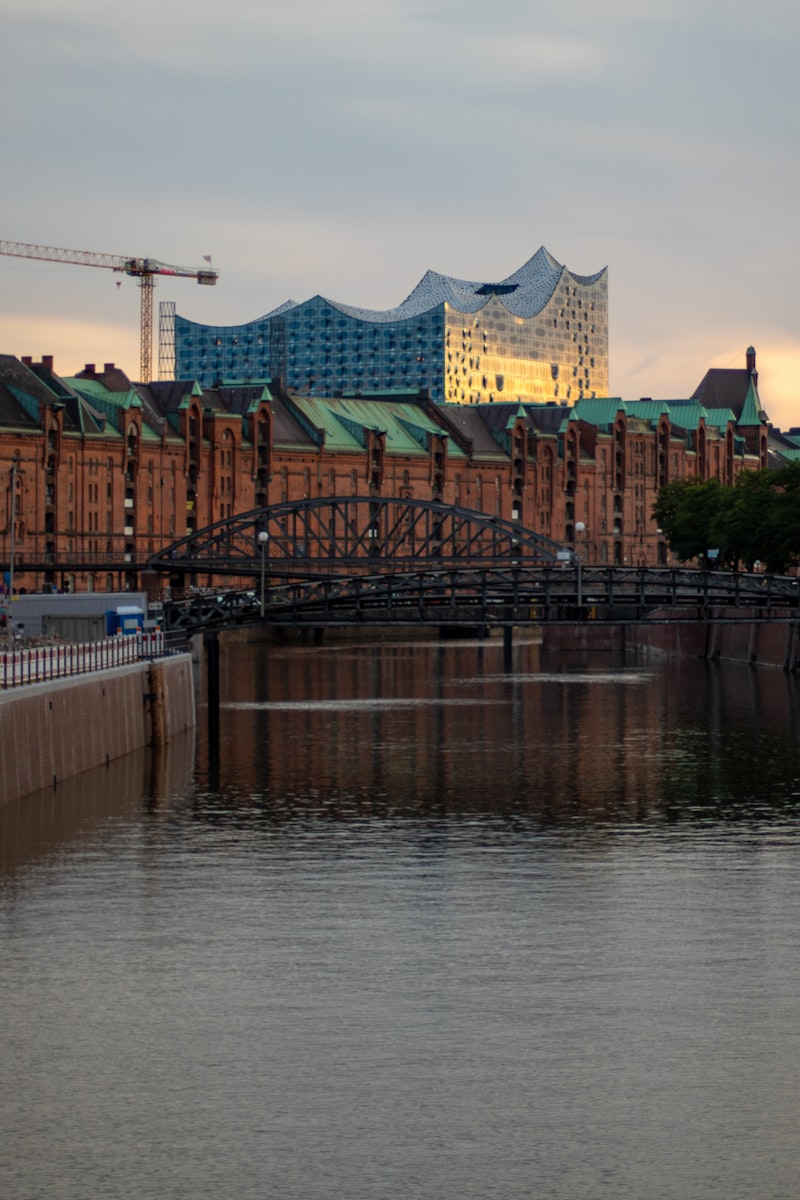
(37, 665)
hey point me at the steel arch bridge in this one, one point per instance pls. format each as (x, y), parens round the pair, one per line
(352, 535)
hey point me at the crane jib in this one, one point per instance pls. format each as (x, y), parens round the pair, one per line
(143, 269)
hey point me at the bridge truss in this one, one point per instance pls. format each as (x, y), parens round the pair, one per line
(340, 561)
(354, 534)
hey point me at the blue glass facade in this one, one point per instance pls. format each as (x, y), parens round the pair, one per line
(316, 349)
(540, 334)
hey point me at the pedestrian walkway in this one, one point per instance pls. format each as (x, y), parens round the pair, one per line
(20, 667)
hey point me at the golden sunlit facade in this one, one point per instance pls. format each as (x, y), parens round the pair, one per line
(560, 353)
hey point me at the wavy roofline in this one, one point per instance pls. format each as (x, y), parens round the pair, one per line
(524, 293)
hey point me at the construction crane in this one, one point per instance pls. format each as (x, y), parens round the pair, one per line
(143, 269)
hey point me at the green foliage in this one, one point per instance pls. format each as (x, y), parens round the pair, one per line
(686, 511)
(755, 520)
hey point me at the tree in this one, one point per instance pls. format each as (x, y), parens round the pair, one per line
(687, 511)
(742, 526)
(756, 520)
(783, 548)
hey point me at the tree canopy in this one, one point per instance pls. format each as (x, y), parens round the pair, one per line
(757, 519)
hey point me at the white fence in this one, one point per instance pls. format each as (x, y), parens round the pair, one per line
(20, 667)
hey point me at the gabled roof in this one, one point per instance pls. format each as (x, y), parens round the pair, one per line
(164, 396)
(109, 402)
(467, 422)
(648, 410)
(405, 425)
(546, 418)
(720, 418)
(289, 428)
(74, 416)
(783, 447)
(723, 388)
(601, 411)
(244, 398)
(21, 394)
(687, 414)
(26, 387)
(734, 389)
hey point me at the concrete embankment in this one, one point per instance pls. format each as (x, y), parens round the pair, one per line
(52, 731)
(731, 634)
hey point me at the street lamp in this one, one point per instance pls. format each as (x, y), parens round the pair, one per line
(12, 546)
(263, 538)
(580, 529)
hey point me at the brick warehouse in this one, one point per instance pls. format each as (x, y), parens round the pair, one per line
(100, 473)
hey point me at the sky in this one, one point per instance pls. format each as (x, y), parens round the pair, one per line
(343, 149)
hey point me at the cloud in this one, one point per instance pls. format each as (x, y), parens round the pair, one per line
(72, 343)
(344, 149)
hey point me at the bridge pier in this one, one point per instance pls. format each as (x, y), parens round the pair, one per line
(316, 635)
(508, 633)
(211, 642)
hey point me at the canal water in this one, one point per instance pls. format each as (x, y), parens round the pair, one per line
(405, 925)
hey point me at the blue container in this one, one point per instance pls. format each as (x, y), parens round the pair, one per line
(126, 619)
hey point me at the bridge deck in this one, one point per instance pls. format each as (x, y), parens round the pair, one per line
(512, 595)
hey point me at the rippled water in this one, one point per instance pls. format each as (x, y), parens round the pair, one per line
(404, 925)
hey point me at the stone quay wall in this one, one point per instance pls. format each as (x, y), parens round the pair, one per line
(52, 731)
(731, 634)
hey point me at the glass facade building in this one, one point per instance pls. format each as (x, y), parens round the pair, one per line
(540, 334)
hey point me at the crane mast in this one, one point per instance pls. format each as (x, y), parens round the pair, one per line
(144, 270)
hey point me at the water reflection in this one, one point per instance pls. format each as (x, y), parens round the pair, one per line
(413, 728)
(407, 925)
(45, 823)
(438, 730)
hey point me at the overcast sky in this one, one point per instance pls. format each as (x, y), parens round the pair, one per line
(344, 148)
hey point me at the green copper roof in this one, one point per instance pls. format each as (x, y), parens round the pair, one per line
(109, 405)
(515, 416)
(752, 412)
(29, 403)
(266, 396)
(687, 416)
(598, 410)
(648, 410)
(343, 420)
(719, 417)
(97, 392)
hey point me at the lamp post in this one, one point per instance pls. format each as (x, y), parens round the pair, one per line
(263, 538)
(12, 546)
(580, 529)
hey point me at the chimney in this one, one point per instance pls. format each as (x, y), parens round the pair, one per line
(27, 360)
(47, 362)
(88, 368)
(107, 367)
(751, 364)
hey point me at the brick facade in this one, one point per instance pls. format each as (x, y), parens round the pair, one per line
(104, 472)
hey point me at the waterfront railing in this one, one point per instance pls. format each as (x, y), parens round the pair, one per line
(39, 664)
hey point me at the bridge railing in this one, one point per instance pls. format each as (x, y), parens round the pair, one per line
(39, 664)
(485, 596)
